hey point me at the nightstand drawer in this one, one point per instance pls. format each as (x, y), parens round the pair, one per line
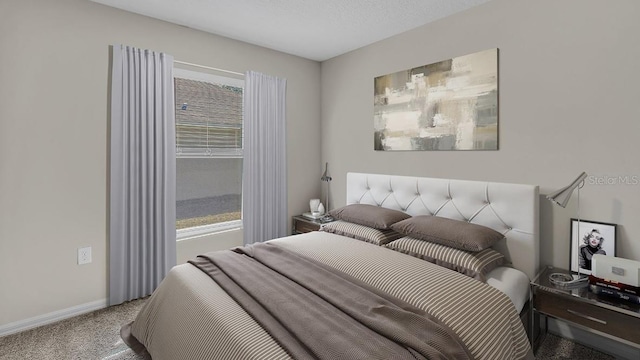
(303, 226)
(592, 316)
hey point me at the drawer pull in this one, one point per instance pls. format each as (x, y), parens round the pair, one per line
(587, 317)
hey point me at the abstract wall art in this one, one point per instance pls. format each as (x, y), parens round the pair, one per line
(448, 105)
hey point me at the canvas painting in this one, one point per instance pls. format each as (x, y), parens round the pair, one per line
(448, 105)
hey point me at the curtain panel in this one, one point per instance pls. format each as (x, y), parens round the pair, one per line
(142, 234)
(264, 176)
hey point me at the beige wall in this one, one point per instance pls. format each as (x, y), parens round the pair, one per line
(568, 102)
(54, 67)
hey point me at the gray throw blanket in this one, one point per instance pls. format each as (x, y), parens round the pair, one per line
(316, 312)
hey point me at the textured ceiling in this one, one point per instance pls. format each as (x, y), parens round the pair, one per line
(313, 29)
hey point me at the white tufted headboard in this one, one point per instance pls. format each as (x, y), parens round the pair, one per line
(511, 209)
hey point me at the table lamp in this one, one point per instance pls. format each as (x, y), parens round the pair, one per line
(561, 197)
(327, 178)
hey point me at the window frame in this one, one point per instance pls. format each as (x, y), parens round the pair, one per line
(203, 230)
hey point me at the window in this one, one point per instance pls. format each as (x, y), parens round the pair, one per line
(208, 153)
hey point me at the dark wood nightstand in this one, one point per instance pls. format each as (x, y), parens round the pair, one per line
(301, 224)
(609, 317)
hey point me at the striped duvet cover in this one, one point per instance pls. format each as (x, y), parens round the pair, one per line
(190, 317)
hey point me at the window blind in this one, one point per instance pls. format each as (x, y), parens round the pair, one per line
(208, 119)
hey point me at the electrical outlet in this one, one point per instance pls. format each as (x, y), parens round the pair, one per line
(84, 255)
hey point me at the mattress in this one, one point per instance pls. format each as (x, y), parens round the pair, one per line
(512, 282)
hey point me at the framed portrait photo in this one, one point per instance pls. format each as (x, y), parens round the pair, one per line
(589, 238)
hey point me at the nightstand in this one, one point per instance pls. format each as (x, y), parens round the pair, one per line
(598, 314)
(301, 224)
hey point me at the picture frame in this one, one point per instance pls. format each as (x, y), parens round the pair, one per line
(446, 105)
(584, 235)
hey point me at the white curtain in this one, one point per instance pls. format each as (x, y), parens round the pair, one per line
(142, 234)
(264, 176)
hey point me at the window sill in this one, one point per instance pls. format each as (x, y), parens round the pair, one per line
(198, 231)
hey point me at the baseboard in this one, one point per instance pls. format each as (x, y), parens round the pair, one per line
(36, 321)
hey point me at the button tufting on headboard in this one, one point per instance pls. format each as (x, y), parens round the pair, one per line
(511, 209)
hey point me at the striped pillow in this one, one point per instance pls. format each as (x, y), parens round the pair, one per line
(473, 264)
(361, 232)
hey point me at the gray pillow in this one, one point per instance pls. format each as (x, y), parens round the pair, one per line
(369, 215)
(361, 232)
(453, 233)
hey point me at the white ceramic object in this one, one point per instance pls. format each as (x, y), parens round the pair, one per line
(313, 205)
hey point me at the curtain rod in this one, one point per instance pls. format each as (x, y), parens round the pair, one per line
(207, 67)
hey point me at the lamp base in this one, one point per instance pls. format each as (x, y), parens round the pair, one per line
(568, 280)
(327, 218)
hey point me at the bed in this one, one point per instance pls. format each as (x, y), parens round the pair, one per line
(190, 316)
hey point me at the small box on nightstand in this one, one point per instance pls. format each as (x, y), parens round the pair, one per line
(617, 269)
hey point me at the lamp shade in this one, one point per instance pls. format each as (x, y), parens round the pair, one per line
(562, 196)
(325, 176)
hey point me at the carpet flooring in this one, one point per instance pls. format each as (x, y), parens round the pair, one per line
(97, 336)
